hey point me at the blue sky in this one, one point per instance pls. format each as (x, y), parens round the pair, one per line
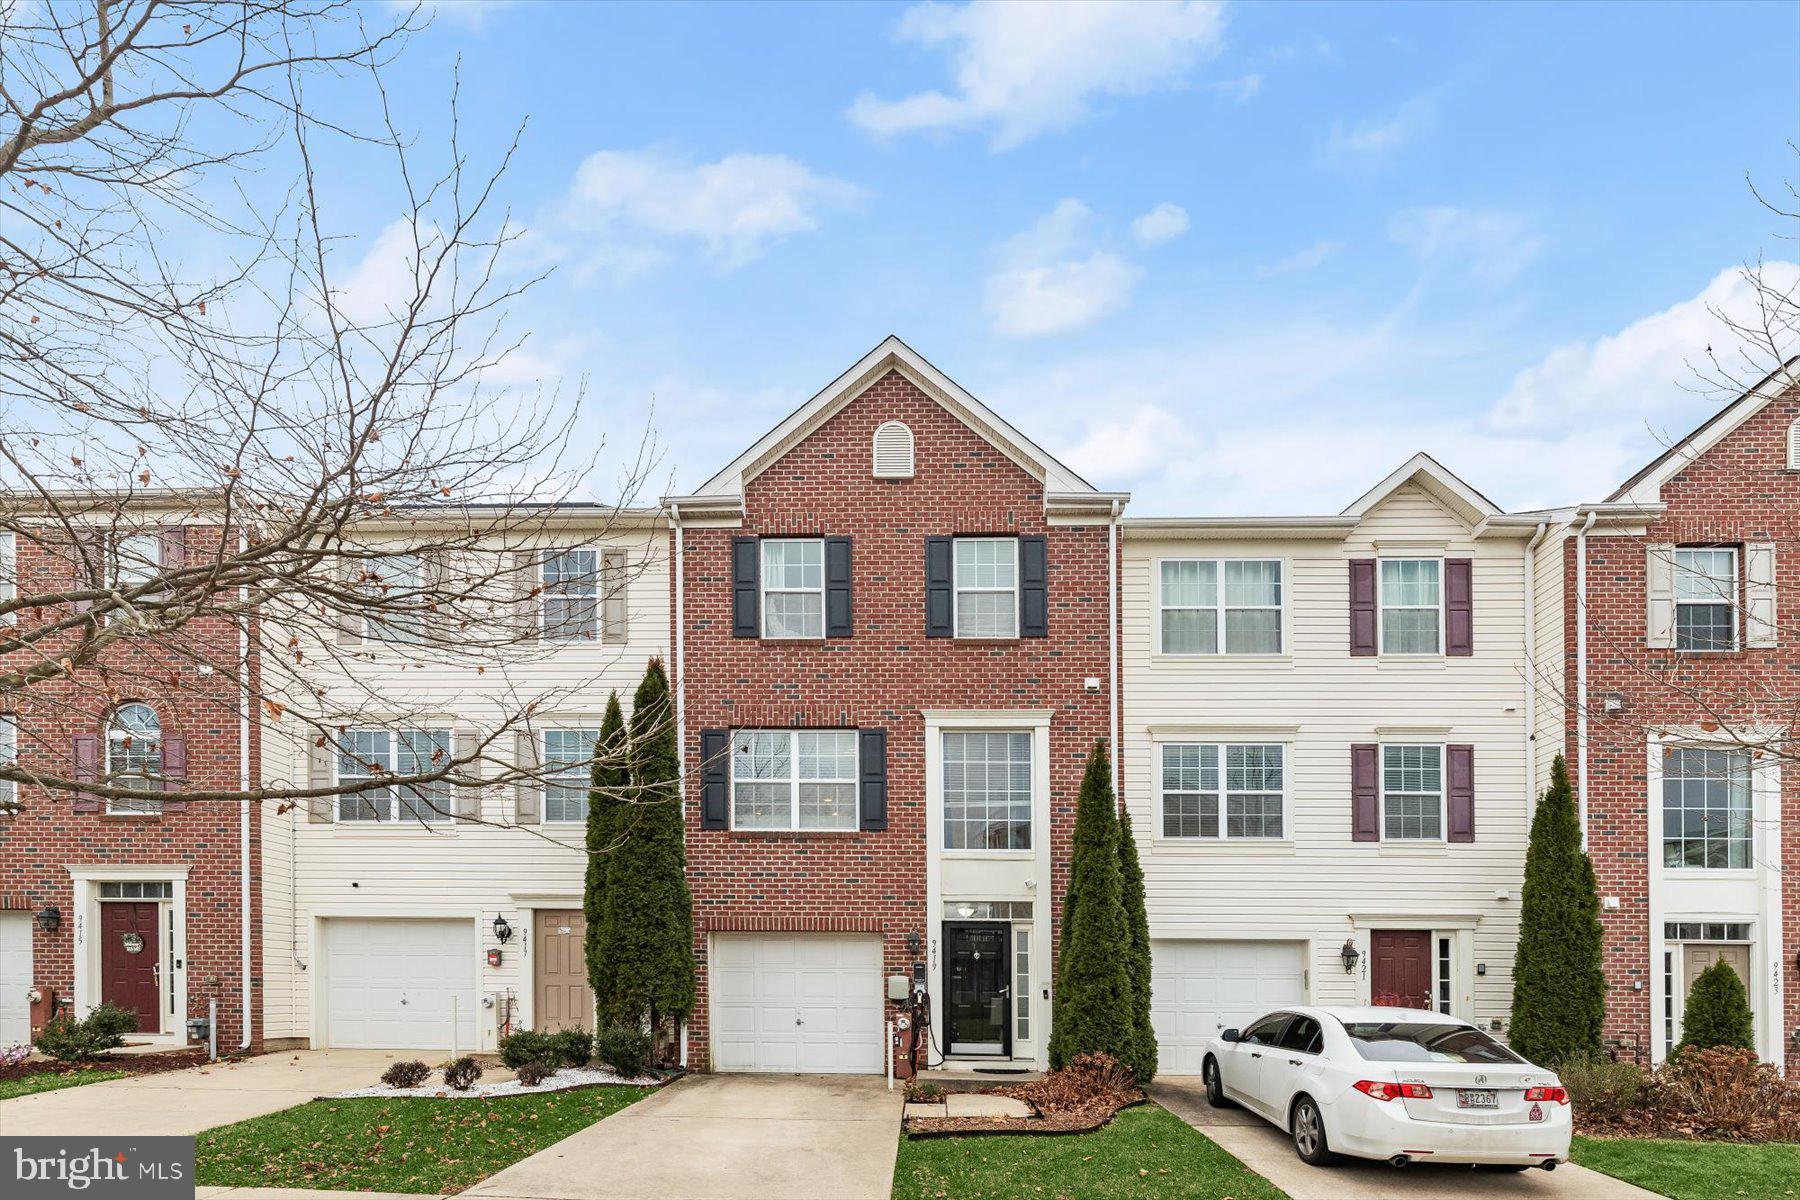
(1241, 258)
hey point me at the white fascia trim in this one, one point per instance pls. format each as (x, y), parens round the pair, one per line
(992, 718)
(115, 873)
(1646, 486)
(546, 899)
(1426, 918)
(1467, 503)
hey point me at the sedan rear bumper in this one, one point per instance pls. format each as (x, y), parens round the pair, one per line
(1373, 1129)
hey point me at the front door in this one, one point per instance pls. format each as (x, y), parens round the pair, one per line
(1400, 973)
(977, 1013)
(564, 1000)
(129, 952)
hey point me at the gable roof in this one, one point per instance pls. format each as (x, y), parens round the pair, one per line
(1646, 485)
(1443, 484)
(893, 354)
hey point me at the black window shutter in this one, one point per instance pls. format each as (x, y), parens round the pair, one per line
(939, 602)
(872, 752)
(1034, 587)
(746, 595)
(837, 587)
(715, 778)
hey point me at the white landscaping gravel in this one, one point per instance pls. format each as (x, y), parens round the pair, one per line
(562, 1081)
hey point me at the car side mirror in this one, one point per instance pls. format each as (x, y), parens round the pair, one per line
(1231, 1035)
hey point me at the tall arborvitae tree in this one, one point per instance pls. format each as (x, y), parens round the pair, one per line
(1093, 1005)
(605, 800)
(1717, 1011)
(650, 921)
(1559, 987)
(1137, 920)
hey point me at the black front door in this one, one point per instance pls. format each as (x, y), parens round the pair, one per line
(976, 992)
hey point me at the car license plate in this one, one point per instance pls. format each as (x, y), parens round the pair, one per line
(1476, 1098)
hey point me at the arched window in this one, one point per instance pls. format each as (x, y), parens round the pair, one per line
(893, 451)
(134, 755)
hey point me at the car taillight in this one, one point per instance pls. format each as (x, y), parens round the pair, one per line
(1559, 1095)
(1375, 1089)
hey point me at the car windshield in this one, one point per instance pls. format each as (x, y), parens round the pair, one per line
(1425, 1042)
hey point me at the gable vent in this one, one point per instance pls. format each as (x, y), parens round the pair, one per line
(893, 451)
(1793, 446)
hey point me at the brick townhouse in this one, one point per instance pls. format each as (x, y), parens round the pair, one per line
(149, 904)
(893, 621)
(1683, 749)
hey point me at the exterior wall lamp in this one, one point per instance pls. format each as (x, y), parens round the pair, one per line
(1350, 956)
(502, 931)
(49, 918)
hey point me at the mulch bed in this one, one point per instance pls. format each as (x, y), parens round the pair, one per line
(1080, 1098)
(131, 1064)
(1085, 1121)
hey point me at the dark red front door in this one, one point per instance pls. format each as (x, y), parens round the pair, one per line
(1401, 971)
(129, 949)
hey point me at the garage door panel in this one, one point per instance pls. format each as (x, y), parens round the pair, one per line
(796, 1003)
(1201, 987)
(390, 983)
(15, 978)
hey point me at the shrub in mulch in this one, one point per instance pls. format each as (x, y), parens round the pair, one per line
(1718, 1094)
(408, 1073)
(1080, 1098)
(462, 1073)
(533, 1073)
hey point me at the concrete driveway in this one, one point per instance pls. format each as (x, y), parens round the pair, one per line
(1267, 1151)
(188, 1101)
(724, 1137)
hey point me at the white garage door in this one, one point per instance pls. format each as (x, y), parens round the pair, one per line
(1198, 988)
(796, 1004)
(389, 983)
(15, 978)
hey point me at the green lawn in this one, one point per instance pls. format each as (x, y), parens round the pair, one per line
(382, 1144)
(1696, 1170)
(49, 1081)
(1147, 1153)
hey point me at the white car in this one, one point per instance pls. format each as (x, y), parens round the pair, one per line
(1401, 1084)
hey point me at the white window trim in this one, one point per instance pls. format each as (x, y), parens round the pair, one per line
(393, 820)
(106, 767)
(554, 632)
(794, 781)
(1222, 838)
(1381, 607)
(1219, 607)
(9, 573)
(957, 590)
(9, 742)
(765, 591)
(544, 757)
(1443, 749)
(1736, 600)
(1758, 804)
(86, 903)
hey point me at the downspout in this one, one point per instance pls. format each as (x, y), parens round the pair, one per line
(1581, 672)
(244, 701)
(1531, 666)
(680, 690)
(1112, 640)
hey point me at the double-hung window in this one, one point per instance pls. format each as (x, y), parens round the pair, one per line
(1412, 606)
(987, 587)
(134, 757)
(1706, 592)
(571, 583)
(394, 585)
(1209, 606)
(9, 754)
(800, 779)
(372, 754)
(1412, 793)
(9, 566)
(1250, 790)
(793, 587)
(1707, 806)
(568, 766)
(987, 791)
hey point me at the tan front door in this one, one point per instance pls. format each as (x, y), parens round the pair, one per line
(1696, 957)
(564, 1000)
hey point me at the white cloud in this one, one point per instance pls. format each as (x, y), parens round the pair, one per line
(1022, 69)
(1372, 141)
(387, 279)
(637, 203)
(1491, 245)
(1161, 223)
(1301, 261)
(1053, 279)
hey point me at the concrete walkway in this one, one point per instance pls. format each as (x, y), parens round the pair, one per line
(1267, 1151)
(188, 1101)
(724, 1137)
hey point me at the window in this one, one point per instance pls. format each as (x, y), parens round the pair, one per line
(134, 756)
(1303, 1036)
(1022, 985)
(987, 791)
(987, 910)
(1423, 1042)
(1412, 793)
(1706, 931)
(793, 582)
(1253, 789)
(1706, 807)
(1706, 588)
(572, 594)
(1412, 605)
(9, 590)
(987, 587)
(1199, 597)
(1267, 1032)
(137, 890)
(9, 754)
(793, 779)
(568, 772)
(365, 754)
(1668, 1002)
(1443, 975)
(394, 584)
(137, 559)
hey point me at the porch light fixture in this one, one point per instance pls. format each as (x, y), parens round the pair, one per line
(49, 918)
(502, 931)
(1350, 954)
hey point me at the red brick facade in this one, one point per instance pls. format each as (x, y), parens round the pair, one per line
(1739, 491)
(40, 845)
(885, 675)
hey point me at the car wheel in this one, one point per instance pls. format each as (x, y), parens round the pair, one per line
(1310, 1142)
(1215, 1087)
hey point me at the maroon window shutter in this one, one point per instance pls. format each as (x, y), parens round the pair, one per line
(1461, 771)
(1459, 607)
(1365, 794)
(174, 772)
(87, 769)
(174, 546)
(1364, 621)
